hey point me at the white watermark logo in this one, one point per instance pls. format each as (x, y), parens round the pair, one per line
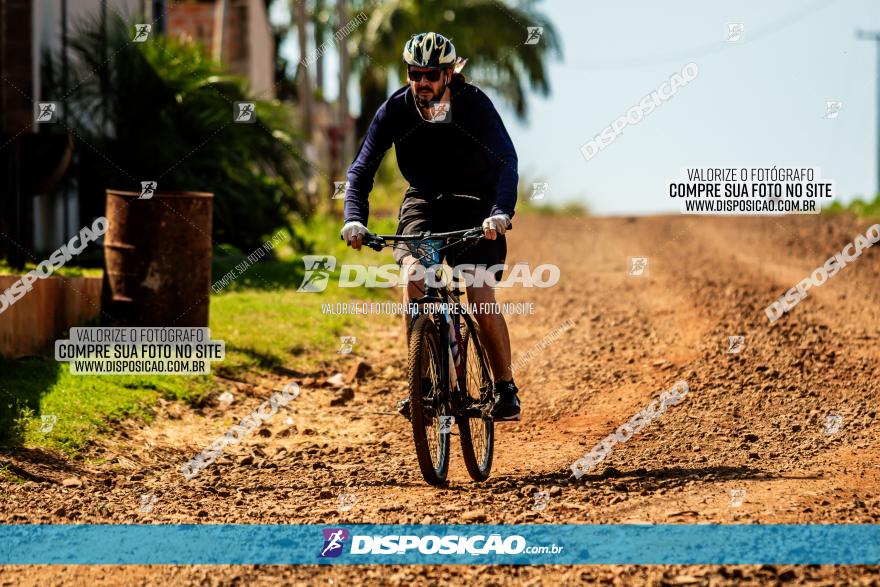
(632, 427)
(47, 423)
(345, 344)
(735, 344)
(346, 501)
(548, 339)
(258, 253)
(148, 188)
(440, 111)
(638, 112)
(156, 350)
(832, 109)
(56, 260)
(317, 275)
(542, 500)
(237, 433)
(735, 32)
(319, 267)
(539, 190)
(339, 189)
(833, 422)
(339, 35)
(533, 35)
(770, 191)
(450, 544)
(141, 32)
(445, 424)
(411, 308)
(821, 274)
(638, 266)
(737, 496)
(148, 500)
(245, 112)
(46, 112)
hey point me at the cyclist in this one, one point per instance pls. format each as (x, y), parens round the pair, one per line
(455, 153)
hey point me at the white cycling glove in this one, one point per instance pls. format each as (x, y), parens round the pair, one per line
(499, 223)
(353, 229)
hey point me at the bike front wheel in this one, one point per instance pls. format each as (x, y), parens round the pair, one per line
(477, 433)
(429, 407)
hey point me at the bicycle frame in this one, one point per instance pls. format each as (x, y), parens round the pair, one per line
(447, 394)
(447, 297)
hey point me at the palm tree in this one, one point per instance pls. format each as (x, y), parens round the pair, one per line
(163, 111)
(320, 18)
(305, 87)
(491, 34)
(344, 72)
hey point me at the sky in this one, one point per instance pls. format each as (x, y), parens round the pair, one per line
(757, 102)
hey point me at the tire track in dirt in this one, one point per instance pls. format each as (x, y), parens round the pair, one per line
(777, 426)
(752, 421)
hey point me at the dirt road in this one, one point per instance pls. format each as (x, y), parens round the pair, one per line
(784, 431)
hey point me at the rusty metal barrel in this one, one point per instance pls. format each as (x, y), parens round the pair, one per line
(157, 259)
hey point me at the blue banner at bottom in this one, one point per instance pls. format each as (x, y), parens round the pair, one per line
(210, 544)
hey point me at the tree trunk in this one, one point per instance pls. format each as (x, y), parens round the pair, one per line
(319, 40)
(374, 91)
(344, 68)
(219, 30)
(305, 89)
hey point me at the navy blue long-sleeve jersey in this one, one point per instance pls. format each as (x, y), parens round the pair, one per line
(471, 154)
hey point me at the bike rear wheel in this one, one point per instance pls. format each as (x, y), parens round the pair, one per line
(477, 434)
(428, 401)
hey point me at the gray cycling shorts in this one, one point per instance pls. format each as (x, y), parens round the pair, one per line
(433, 212)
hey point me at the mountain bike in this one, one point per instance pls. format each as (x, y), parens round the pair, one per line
(448, 370)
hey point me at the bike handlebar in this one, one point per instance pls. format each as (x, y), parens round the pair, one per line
(379, 241)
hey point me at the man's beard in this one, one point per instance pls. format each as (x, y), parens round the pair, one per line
(426, 102)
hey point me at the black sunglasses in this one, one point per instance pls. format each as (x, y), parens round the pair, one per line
(432, 75)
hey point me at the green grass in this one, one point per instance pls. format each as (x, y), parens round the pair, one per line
(85, 405)
(285, 329)
(267, 325)
(386, 195)
(323, 238)
(858, 207)
(8, 475)
(526, 206)
(66, 271)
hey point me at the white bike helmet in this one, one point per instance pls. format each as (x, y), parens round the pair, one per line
(429, 50)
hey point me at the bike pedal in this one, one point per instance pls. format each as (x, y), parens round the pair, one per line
(474, 412)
